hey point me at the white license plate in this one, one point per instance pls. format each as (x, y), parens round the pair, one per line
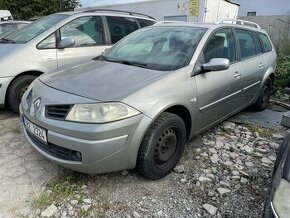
(35, 130)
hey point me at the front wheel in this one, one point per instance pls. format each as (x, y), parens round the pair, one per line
(17, 89)
(264, 96)
(162, 146)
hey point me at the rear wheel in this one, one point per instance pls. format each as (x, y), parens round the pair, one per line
(162, 146)
(16, 90)
(264, 96)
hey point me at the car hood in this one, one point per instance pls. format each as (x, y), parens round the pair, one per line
(101, 80)
(7, 48)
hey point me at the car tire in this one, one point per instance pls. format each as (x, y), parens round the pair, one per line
(162, 146)
(264, 96)
(16, 90)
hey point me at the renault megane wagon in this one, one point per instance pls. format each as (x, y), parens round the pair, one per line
(137, 105)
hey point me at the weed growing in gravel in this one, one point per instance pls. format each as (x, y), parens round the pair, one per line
(263, 132)
(60, 188)
(16, 130)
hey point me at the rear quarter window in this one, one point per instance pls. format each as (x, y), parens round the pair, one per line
(266, 42)
(144, 23)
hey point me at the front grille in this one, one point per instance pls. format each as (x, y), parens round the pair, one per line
(57, 112)
(55, 150)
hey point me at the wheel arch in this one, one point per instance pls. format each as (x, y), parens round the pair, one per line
(184, 114)
(32, 72)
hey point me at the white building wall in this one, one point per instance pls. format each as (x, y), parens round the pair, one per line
(264, 7)
(209, 10)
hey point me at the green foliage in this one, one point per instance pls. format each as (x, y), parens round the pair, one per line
(282, 71)
(59, 189)
(27, 9)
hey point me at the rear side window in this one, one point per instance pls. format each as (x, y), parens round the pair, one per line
(86, 31)
(266, 42)
(144, 23)
(259, 48)
(120, 27)
(247, 43)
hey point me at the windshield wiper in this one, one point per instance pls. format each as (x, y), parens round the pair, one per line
(6, 41)
(132, 63)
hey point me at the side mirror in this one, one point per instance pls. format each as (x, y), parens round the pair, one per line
(66, 42)
(216, 64)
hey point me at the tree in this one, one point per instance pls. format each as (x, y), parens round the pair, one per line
(27, 9)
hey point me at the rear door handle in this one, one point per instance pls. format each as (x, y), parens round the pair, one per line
(261, 65)
(237, 74)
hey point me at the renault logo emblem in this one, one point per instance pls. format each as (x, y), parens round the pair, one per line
(37, 104)
(34, 107)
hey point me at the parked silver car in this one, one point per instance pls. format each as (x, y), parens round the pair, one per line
(57, 40)
(278, 202)
(138, 103)
(6, 27)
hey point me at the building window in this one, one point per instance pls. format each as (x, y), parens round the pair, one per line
(252, 13)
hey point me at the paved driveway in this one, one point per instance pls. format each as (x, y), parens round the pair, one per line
(22, 170)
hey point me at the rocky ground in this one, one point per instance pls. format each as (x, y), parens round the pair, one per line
(224, 172)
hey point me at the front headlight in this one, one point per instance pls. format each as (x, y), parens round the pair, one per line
(100, 112)
(281, 199)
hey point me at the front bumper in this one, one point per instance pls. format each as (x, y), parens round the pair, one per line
(103, 147)
(4, 83)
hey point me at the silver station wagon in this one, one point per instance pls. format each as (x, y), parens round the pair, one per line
(58, 40)
(138, 104)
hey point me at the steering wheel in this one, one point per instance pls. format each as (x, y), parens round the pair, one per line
(182, 56)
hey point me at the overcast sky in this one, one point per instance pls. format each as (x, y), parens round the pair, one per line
(87, 3)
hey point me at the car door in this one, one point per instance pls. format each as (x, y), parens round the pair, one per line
(90, 40)
(219, 92)
(45, 55)
(253, 64)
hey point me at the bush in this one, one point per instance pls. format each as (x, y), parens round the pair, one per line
(282, 71)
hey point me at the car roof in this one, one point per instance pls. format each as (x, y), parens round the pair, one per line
(16, 21)
(109, 12)
(212, 26)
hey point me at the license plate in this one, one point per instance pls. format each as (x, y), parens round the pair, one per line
(35, 130)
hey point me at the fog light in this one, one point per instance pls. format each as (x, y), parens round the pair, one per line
(77, 156)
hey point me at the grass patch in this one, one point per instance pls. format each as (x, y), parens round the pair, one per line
(16, 130)
(263, 132)
(59, 189)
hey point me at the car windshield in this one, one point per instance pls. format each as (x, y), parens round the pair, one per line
(157, 48)
(34, 29)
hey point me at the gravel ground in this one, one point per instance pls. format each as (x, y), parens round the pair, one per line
(224, 172)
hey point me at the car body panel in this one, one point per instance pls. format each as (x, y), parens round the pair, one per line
(281, 171)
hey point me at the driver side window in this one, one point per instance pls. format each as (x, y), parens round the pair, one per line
(220, 45)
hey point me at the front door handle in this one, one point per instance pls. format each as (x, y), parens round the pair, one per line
(237, 74)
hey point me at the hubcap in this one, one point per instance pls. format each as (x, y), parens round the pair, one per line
(165, 147)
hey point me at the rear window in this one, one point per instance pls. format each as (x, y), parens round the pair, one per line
(144, 23)
(247, 43)
(266, 42)
(120, 27)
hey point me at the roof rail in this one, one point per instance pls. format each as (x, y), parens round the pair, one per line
(169, 21)
(119, 11)
(237, 21)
